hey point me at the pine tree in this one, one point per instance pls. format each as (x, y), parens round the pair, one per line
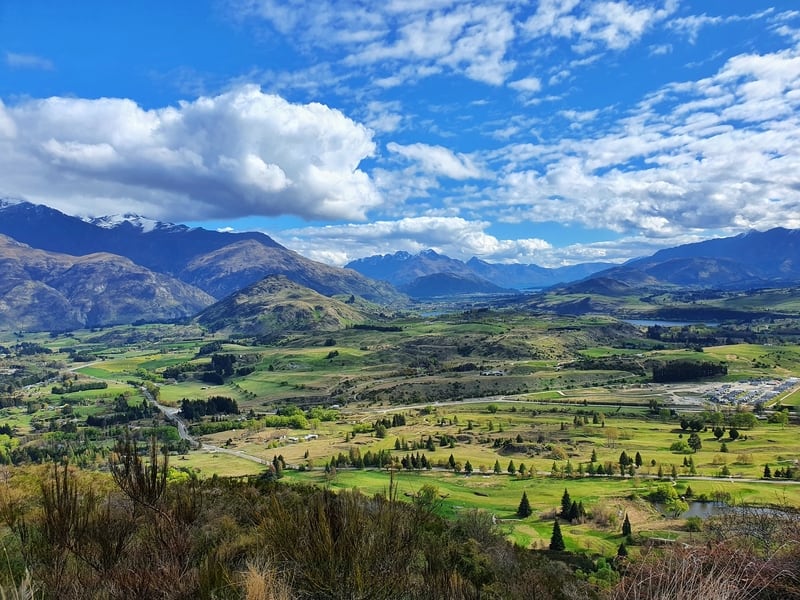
(511, 468)
(622, 551)
(566, 504)
(524, 509)
(594, 456)
(767, 473)
(497, 468)
(574, 513)
(468, 467)
(626, 526)
(638, 460)
(557, 540)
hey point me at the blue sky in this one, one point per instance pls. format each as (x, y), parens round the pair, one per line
(548, 132)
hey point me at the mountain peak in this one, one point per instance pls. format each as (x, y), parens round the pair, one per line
(139, 222)
(6, 202)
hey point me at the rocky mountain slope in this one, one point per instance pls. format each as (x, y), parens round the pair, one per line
(42, 290)
(155, 270)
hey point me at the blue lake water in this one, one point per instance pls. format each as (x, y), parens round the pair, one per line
(654, 323)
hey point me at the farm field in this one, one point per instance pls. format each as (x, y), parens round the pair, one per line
(497, 404)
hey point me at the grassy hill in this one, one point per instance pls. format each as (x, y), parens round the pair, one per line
(276, 304)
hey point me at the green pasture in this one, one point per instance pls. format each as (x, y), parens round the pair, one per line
(500, 495)
(207, 464)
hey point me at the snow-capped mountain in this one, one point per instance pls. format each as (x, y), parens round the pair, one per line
(139, 222)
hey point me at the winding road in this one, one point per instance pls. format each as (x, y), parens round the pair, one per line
(171, 414)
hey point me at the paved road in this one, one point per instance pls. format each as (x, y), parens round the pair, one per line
(172, 414)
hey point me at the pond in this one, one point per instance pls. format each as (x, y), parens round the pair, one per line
(654, 323)
(705, 510)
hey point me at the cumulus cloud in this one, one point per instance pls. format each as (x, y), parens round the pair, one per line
(453, 236)
(239, 153)
(721, 153)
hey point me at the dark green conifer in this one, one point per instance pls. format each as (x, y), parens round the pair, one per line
(557, 540)
(524, 509)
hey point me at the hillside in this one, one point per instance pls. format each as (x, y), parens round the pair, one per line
(449, 284)
(232, 267)
(43, 290)
(142, 270)
(278, 304)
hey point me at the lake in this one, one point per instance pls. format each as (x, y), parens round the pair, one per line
(654, 323)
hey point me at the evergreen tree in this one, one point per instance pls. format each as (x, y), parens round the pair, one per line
(626, 526)
(468, 467)
(638, 460)
(594, 456)
(524, 509)
(557, 540)
(566, 504)
(511, 468)
(767, 473)
(622, 551)
(497, 468)
(574, 513)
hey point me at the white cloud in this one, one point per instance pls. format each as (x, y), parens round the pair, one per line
(660, 49)
(437, 160)
(691, 25)
(239, 153)
(721, 153)
(454, 236)
(28, 61)
(402, 40)
(589, 25)
(383, 117)
(528, 84)
(580, 116)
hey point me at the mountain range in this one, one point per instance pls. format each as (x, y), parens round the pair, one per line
(409, 272)
(753, 259)
(64, 272)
